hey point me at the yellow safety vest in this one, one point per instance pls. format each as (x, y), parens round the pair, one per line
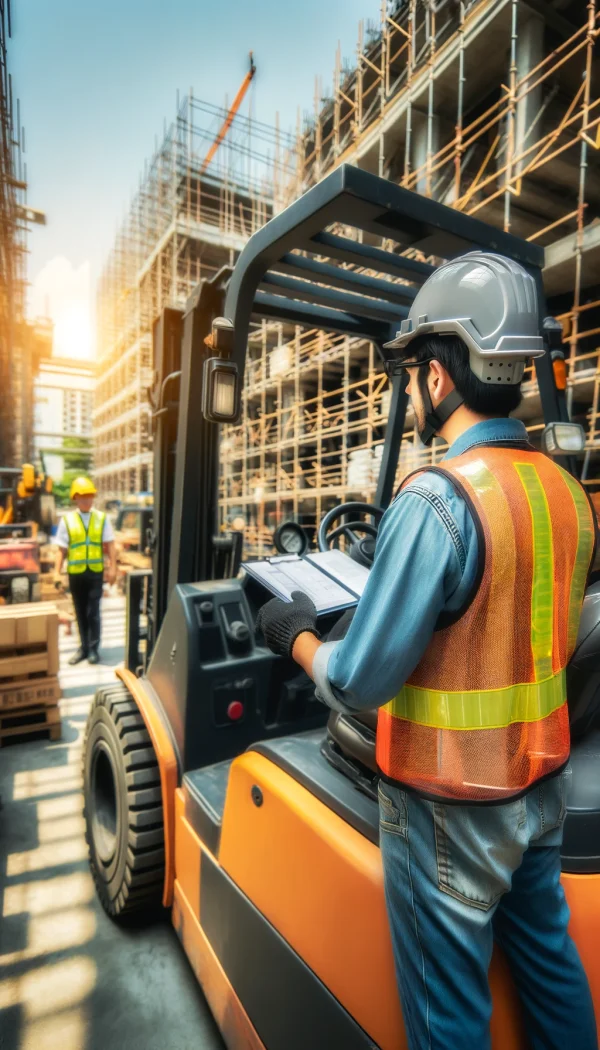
(85, 548)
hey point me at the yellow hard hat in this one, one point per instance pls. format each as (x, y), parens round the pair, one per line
(82, 487)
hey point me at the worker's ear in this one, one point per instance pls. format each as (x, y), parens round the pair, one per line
(439, 382)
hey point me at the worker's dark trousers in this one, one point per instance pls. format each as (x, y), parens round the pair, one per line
(86, 588)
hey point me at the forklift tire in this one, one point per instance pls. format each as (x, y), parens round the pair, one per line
(122, 806)
(19, 590)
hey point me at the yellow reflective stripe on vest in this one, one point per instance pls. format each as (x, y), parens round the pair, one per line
(542, 593)
(585, 544)
(480, 709)
(480, 478)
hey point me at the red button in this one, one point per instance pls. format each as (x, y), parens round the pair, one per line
(235, 710)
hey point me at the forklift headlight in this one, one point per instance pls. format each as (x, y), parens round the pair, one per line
(221, 396)
(559, 439)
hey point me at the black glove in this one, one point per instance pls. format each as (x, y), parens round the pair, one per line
(281, 622)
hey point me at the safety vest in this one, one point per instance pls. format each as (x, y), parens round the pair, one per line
(484, 715)
(85, 548)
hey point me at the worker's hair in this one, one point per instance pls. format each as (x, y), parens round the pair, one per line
(453, 355)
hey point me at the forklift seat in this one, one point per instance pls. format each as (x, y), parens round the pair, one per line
(354, 735)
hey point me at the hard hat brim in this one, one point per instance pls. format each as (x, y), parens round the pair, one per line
(83, 487)
(507, 346)
(511, 351)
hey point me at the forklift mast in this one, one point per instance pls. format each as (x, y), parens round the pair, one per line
(297, 269)
(185, 543)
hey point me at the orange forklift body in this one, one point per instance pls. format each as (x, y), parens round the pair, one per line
(317, 881)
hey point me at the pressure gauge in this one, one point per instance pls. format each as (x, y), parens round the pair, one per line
(290, 538)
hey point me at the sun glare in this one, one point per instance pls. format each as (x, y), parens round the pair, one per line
(62, 292)
(73, 331)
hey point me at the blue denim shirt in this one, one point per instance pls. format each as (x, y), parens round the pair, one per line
(425, 563)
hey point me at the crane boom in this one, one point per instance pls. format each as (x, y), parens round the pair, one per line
(235, 105)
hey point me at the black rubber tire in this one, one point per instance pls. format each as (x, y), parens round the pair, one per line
(123, 808)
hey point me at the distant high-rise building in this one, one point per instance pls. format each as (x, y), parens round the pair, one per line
(63, 403)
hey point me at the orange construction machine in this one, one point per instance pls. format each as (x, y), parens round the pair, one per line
(27, 514)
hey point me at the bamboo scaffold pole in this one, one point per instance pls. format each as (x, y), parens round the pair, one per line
(410, 71)
(510, 116)
(430, 22)
(583, 156)
(384, 53)
(459, 104)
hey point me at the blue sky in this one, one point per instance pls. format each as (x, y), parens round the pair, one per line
(96, 80)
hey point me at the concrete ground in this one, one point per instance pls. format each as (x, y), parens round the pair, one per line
(69, 978)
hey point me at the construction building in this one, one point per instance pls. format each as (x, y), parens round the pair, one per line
(490, 106)
(186, 221)
(21, 343)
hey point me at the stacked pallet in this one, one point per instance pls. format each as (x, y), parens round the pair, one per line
(29, 687)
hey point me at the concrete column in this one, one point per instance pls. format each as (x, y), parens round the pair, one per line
(425, 138)
(530, 52)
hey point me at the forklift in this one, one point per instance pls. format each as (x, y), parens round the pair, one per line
(215, 783)
(133, 536)
(27, 515)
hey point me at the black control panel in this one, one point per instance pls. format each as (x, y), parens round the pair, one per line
(220, 689)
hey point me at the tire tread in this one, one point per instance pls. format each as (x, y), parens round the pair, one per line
(144, 869)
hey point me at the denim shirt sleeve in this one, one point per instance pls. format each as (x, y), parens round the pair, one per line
(425, 563)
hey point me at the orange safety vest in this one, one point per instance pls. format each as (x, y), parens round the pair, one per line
(484, 715)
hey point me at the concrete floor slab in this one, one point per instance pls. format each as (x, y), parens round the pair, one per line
(559, 270)
(69, 978)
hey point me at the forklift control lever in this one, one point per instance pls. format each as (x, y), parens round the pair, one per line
(238, 634)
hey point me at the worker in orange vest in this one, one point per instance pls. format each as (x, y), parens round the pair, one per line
(461, 641)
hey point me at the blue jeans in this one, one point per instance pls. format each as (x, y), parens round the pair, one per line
(456, 877)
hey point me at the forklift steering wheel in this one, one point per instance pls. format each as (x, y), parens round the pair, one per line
(361, 550)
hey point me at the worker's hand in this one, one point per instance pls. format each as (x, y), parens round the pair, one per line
(58, 580)
(281, 622)
(110, 576)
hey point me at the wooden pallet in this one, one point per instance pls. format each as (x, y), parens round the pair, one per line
(28, 720)
(28, 641)
(27, 692)
(24, 663)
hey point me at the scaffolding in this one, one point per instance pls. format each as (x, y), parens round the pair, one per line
(492, 107)
(18, 352)
(185, 222)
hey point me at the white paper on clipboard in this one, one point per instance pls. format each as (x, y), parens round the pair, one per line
(342, 568)
(282, 576)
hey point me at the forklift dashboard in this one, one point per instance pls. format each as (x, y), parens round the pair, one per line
(290, 538)
(207, 648)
